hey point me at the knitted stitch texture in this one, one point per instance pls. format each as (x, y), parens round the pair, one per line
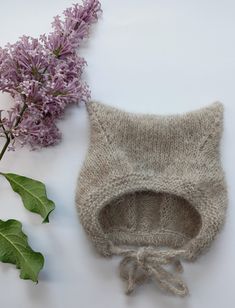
(152, 189)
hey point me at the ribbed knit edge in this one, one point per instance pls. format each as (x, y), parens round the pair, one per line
(118, 187)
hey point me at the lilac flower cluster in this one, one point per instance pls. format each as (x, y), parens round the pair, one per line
(44, 76)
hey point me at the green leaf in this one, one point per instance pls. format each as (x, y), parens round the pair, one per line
(33, 194)
(14, 249)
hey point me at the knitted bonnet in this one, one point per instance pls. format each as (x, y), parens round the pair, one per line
(152, 190)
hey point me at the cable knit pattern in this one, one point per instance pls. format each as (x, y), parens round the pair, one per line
(155, 183)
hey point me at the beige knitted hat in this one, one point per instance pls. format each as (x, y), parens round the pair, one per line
(152, 189)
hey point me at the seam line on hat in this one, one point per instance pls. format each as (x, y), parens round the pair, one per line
(103, 130)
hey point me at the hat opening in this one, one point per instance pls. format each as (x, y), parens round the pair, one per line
(144, 218)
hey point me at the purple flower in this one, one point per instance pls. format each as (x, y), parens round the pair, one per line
(44, 76)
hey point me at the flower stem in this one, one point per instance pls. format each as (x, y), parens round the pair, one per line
(8, 140)
(9, 135)
(20, 115)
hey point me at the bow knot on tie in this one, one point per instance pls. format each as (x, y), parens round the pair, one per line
(141, 264)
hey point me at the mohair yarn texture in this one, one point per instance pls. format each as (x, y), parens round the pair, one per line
(152, 189)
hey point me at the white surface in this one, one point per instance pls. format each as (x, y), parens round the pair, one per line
(143, 56)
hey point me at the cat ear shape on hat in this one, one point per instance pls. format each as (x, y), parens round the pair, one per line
(212, 124)
(104, 119)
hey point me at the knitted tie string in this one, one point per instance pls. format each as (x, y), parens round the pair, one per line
(141, 264)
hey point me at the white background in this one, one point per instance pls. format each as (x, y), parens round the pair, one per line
(148, 56)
